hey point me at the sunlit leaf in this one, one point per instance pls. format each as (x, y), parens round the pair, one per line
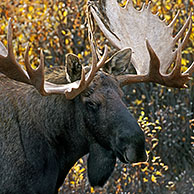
(153, 179)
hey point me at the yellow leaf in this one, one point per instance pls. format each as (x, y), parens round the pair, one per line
(81, 161)
(65, 13)
(66, 41)
(20, 37)
(63, 32)
(33, 66)
(138, 102)
(157, 121)
(165, 167)
(183, 68)
(92, 190)
(21, 9)
(32, 37)
(55, 7)
(158, 127)
(184, 61)
(142, 113)
(155, 158)
(49, 57)
(161, 164)
(154, 145)
(80, 56)
(29, 16)
(145, 180)
(168, 7)
(3, 27)
(155, 139)
(86, 53)
(82, 170)
(167, 17)
(144, 169)
(179, 1)
(153, 178)
(158, 173)
(30, 9)
(72, 182)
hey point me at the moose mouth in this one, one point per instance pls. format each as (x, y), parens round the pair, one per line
(123, 157)
(128, 156)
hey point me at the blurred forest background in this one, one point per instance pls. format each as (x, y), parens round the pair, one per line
(165, 114)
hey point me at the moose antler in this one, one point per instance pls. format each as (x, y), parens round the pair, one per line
(12, 69)
(150, 39)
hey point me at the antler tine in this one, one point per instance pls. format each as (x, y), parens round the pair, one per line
(36, 75)
(190, 70)
(83, 77)
(90, 37)
(129, 3)
(111, 37)
(95, 68)
(154, 68)
(182, 30)
(170, 79)
(94, 55)
(143, 7)
(171, 25)
(186, 38)
(182, 44)
(176, 72)
(177, 68)
(8, 63)
(148, 6)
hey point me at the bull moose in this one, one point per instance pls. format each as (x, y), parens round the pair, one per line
(45, 127)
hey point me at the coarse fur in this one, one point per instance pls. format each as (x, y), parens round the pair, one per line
(41, 137)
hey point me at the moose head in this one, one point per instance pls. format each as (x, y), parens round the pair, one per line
(46, 127)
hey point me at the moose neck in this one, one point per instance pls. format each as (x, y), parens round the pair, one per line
(65, 129)
(58, 123)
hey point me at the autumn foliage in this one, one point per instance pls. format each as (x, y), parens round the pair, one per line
(166, 115)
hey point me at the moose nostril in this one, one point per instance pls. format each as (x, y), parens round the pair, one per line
(130, 155)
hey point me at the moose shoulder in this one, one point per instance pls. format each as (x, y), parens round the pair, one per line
(47, 125)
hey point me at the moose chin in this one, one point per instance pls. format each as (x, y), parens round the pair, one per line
(49, 122)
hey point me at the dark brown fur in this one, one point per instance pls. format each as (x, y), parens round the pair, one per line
(42, 137)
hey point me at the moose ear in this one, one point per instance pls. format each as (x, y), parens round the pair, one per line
(119, 62)
(101, 163)
(73, 68)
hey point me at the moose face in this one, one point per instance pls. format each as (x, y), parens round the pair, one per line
(110, 122)
(114, 132)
